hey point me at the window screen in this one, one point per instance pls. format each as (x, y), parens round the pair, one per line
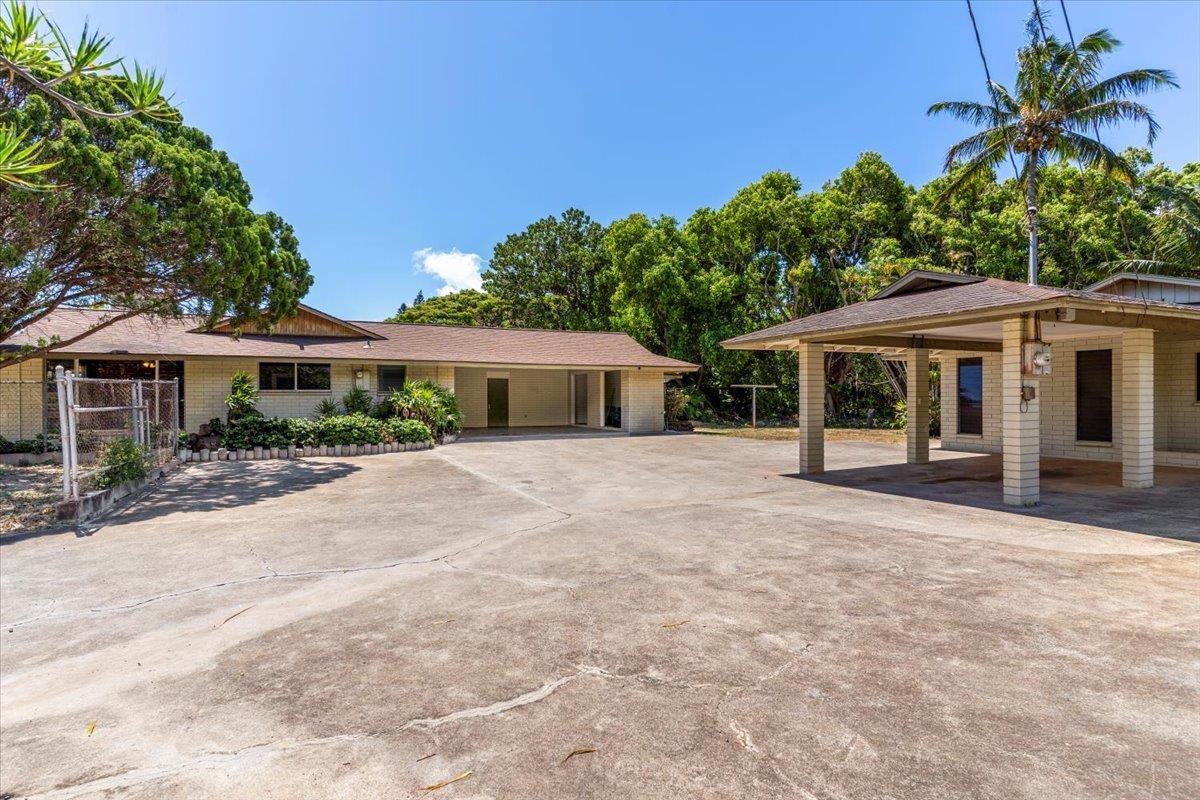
(391, 377)
(312, 376)
(272, 376)
(275, 376)
(1093, 395)
(970, 396)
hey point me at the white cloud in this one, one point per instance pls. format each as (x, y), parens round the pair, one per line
(457, 270)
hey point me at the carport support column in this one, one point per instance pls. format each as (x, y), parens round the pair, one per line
(811, 416)
(916, 365)
(1137, 408)
(1020, 422)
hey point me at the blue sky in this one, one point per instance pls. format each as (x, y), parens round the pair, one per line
(400, 136)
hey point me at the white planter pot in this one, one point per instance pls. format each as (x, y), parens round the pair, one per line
(241, 455)
(258, 453)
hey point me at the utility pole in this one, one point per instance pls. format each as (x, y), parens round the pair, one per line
(753, 387)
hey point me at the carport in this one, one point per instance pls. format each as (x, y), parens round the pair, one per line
(1027, 371)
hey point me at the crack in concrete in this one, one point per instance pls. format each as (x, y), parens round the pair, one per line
(525, 699)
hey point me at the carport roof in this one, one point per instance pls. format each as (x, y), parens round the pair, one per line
(378, 341)
(925, 296)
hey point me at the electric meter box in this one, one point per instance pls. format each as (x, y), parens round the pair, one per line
(1036, 359)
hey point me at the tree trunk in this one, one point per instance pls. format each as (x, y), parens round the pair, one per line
(1031, 213)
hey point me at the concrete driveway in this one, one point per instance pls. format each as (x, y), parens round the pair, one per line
(711, 625)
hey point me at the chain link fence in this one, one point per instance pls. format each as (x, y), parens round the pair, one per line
(114, 430)
(28, 416)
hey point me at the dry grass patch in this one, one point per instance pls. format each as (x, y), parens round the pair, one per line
(28, 495)
(789, 434)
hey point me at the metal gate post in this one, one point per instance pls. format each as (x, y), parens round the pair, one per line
(60, 386)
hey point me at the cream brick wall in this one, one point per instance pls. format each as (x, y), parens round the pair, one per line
(811, 408)
(22, 405)
(538, 397)
(989, 441)
(1176, 413)
(471, 389)
(917, 402)
(642, 409)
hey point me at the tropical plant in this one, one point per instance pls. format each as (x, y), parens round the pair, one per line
(327, 408)
(1055, 110)
(430, 403)
(35, 53)
(119, 461)
(357, 401)
(242, 398)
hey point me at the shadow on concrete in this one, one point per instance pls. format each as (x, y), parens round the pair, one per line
(1079, 492)
(211, 487)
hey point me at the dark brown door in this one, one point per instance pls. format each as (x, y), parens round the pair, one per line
(581, 400)
(497, 393)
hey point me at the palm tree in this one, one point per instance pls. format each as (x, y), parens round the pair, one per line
(1056, 111)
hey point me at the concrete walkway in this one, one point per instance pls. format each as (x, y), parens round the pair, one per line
(710, 624)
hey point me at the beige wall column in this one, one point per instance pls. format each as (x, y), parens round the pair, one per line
(445, 376)
(812, 408)
(916, 363)
(1137, 408)
(1020, 422)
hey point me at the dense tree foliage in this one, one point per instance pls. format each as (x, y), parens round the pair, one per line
(144, 216)
(468, 307)
(774, 252)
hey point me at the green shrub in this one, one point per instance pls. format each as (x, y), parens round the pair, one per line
(430, 403)
(242, 398)
(250, 432)
(350, 429)
(119, 461)
(302, 432)
(406, 430)
(21, 445)
(357, 401)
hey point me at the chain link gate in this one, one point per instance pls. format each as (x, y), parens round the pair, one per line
(99, 416)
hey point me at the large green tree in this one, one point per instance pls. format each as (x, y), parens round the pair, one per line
(1055, 110)
(467, 307)
(145, 217)
(553, 274)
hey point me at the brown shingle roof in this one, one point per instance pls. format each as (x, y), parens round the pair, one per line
(145, 336)
(985, 295)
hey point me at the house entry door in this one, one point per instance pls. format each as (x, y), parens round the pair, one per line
(497, 402)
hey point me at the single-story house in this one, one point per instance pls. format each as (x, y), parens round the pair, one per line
(503, 377)
(1109, 372)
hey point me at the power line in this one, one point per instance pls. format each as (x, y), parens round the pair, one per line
(1037, 13)
(992, 91)
(1075, 52)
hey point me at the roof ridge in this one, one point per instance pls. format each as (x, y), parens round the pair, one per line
(481, 327)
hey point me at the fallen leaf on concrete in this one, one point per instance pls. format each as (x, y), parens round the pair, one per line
(91, 727)
(676, 624)
(461, 777)
(578, 751)
(422, 758)
(234, 616)
(439, 622)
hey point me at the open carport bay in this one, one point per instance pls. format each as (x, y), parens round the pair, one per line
(710, 624)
